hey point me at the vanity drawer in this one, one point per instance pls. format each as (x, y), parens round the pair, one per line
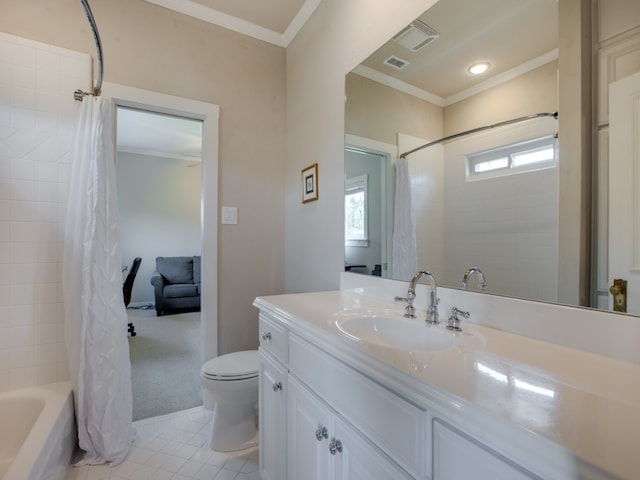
(395, 425)
(273, 338)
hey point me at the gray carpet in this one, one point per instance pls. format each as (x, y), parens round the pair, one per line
(166, 357)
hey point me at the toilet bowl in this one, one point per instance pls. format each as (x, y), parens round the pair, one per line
(230, 389)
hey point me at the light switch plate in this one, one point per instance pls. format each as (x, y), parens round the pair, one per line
(229, 215)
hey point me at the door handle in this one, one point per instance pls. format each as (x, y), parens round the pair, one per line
(619, 292)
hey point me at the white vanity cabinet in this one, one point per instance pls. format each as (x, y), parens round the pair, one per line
(322, 445)
(457, 456)
(494, 404)
(272, 400)
(381, 419)
(326, 414)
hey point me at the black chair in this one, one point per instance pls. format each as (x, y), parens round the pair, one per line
(127, 288)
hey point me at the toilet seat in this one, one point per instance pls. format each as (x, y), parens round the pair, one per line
(232, 366)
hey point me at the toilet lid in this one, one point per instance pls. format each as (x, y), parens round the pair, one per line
(233, 366)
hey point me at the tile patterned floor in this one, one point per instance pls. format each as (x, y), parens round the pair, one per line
(175, 447)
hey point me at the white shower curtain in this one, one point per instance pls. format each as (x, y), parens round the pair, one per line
(95, 315)
(404, 256)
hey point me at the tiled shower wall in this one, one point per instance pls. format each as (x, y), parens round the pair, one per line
(37, 116)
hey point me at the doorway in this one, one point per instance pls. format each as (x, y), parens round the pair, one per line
(158, 178)
(369, 191)
(208, 115)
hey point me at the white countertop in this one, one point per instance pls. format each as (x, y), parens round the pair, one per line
(587, 403)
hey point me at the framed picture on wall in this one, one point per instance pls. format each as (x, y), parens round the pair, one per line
(310, 183)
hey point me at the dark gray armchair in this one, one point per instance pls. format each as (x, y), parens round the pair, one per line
(176, 284)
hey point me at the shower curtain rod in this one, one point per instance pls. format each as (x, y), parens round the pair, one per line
(480, 129)
(79, 94)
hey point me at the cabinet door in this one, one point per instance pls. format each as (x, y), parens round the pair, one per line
(309, 426)
(272, 411)
(357, 459)
(455, 457)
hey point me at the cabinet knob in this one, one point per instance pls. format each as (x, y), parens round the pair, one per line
(266, 336)
(335, 446)
(322, 433)
(277, 386)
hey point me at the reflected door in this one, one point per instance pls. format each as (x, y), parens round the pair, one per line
(624, 187)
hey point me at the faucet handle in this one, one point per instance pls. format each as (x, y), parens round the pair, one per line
(454, 321)
(409, 310)
(456, 311)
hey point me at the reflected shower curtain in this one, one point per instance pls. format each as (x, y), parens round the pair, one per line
(404, 255)
(95, 315)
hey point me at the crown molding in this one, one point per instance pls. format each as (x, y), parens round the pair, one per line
(399, 85)
(299, 20)
(206, 14)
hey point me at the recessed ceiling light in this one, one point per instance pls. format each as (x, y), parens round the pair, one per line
(478, 68)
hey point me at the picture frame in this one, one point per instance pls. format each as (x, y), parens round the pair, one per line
(310, 183)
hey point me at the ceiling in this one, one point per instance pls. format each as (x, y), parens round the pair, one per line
(514, 36)
(157, 135)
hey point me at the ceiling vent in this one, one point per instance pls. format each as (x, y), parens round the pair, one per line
(396, 62)
(416, 35)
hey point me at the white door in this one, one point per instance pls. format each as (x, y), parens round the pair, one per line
(272, 430)
(624, 187)
(357, 459)
(309, 430)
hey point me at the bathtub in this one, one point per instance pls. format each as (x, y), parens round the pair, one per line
(38, 436)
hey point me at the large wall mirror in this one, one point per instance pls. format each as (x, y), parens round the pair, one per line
(487, 200)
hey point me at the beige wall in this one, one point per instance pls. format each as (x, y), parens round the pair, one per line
(152, 48)
(534, 92)
(378, 112)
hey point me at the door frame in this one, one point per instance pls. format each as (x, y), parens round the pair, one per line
(209, 114)
(389, 153)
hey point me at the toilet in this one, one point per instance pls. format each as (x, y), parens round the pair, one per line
(230, 389)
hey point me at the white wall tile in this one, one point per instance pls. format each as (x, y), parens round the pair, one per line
(20, 337)
(5, 295)
(46, 192)
(21, 273)
(46, 172)
(5, 110)
(4, 377)
(21, 377)
(46, 333)
(47, 122)
(21, 315)
(36, 121)
(23, 118)
(23, 98)
(21, 357)
(21, 189)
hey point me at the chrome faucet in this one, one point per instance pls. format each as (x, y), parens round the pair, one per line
(482, 283)
(432, 309)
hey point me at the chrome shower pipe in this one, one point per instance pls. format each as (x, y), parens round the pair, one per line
(480, 129)
(97, 89)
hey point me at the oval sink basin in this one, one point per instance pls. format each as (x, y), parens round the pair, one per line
(394, 332)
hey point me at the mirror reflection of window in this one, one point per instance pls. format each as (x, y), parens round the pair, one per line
(515, 158)
(356, 212)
